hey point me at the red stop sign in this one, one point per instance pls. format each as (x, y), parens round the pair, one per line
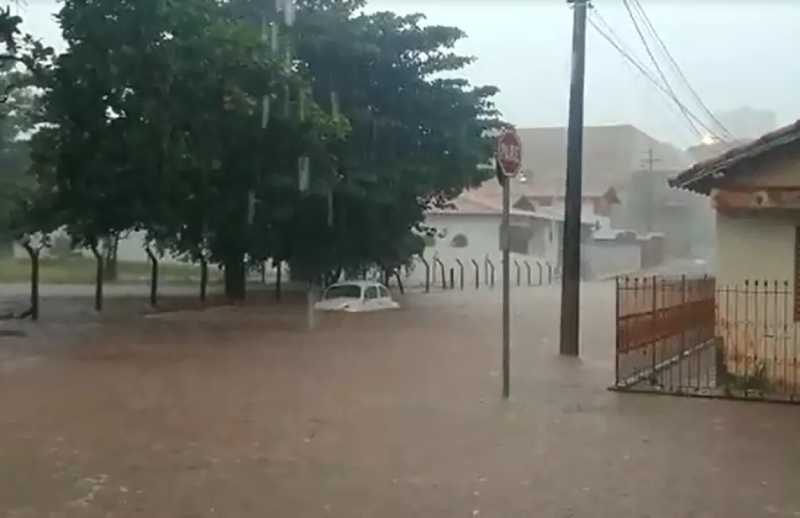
(509, 152)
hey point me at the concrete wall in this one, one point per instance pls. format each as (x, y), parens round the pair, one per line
(759, 245)
(610, 258)
(131, 249)
(753, 247)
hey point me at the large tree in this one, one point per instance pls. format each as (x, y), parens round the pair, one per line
(417, 134)
(154, 119)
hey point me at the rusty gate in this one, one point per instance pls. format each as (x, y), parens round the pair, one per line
(686, 336)
(665, 334)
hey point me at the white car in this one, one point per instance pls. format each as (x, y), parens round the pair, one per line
(355, 297)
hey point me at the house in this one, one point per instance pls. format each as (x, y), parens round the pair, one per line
(469, 229)
(755, 191)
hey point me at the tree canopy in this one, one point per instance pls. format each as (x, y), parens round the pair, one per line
(192, 120)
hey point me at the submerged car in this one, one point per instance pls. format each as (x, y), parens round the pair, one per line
(356, 296)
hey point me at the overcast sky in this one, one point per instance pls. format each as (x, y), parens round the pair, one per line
(735, 53)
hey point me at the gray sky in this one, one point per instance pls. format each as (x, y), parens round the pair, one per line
(735, 53)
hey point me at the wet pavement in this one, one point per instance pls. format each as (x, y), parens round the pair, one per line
(240, 412)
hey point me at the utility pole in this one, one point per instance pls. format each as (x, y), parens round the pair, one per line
(571, 273)
(650, 182)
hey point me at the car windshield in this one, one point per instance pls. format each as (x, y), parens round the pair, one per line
(348, 291)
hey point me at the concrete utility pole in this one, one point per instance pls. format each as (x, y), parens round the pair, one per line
(650, 182)
(571, 274)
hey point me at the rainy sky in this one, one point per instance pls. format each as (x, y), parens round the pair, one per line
(735, 53)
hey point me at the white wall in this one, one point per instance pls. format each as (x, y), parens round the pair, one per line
(610, 258)
(483, 235)
(131, 249)
(754, 248)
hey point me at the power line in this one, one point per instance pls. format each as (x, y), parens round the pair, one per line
(648, 75)
(677, 68)
(661, 74)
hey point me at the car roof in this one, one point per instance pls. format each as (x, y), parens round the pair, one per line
(360, 283)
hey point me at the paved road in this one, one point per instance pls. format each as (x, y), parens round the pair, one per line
(240, 413)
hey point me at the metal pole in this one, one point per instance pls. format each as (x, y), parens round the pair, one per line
(570, 280)
(506, 289)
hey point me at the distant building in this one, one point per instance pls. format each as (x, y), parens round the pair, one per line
(703, 152)
(611, 154)
(470, 229)
(748, 123)
(648, 205)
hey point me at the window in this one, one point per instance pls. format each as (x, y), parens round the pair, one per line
(343, 291)
(371, 293)
(383, 292)
(459, 241)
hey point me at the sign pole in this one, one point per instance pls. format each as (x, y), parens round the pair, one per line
(509, 162)
(505, 238)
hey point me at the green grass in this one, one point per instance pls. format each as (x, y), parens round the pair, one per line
(81, 270)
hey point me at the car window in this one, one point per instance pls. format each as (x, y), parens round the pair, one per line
(348, 291)
(384, 293)
(371, 293)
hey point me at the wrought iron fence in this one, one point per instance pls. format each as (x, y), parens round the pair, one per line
(756, 323)
(686, 336)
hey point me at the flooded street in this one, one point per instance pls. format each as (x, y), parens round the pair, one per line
(242, 413)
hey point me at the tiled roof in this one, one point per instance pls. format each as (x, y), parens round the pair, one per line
(701, 177)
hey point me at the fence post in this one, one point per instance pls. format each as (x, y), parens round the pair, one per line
(528, 270)
(452, 278)
(519, 273)
(477, 274)
(491, 265)
(427, 274)
(683, 336)
(438, 261)
(655, 327)
(616, 331)
(461, 274)
(541, 272)
(549, 273)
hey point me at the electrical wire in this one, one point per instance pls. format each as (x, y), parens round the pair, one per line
(687, 114)
(649, 25)
(663, 76)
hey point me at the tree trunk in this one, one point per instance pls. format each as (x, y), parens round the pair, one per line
(34, 255)
(203, 278)
(399, 282)
(111, 272)
(235, 278)
(98, 286)
(278, 275)
(153, 277)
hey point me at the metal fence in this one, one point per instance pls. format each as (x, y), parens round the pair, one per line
(461, 274)
(686, 336)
